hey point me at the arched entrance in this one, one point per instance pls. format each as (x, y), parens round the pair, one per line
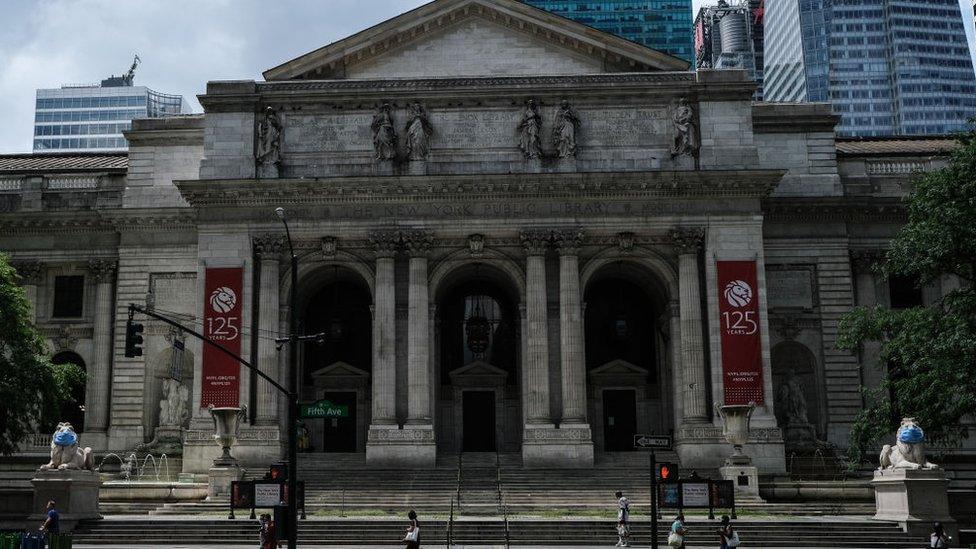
(627, 335)
(73, 409)
(477, 342)
(337, 367)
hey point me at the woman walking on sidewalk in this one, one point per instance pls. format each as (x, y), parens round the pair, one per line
(412, 539)
(623, 520)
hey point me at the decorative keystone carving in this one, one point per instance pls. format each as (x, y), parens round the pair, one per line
(864, 261)
(476, 244)
(417, 242)
(535, 242)
(268, 246)
(330, 246)
(568, 240)
(687, 240)
(102, 270)
(65, 339)
(385, 243)
(625, 241)
(30, 272)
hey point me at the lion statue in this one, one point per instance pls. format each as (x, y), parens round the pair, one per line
(909, 449)
(65, 453)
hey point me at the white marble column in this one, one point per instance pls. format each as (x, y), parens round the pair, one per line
(418, 332)
(536, 363)
(268, 249)
(384, 331)
(687, 243)
(572, 359)
(102, 272)
(31, 274)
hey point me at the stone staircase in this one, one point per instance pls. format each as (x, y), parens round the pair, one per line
(825, 533)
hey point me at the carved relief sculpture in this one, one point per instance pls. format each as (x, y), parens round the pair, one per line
(792, 401)
(173, 406)
(384, 133)
(685, 135)
(529, 130)
(419, 130)
(565, 131)
(268, 153)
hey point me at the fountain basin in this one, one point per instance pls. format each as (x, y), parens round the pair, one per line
(163, 492)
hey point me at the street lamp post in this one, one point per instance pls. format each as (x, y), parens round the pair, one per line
(292, 514)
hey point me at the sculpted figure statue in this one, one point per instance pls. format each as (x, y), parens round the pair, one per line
(793, 402)
(172, 407)
(268, 153)
(565, 130)
(384, 134)
(529, 129)
(909, 449)
(65, 453)
(419, 130)
(685, 136)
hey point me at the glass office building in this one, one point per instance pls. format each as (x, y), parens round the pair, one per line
(93, 117)
(889, 67)
(664, 25)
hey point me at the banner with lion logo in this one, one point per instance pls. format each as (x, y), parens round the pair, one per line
(222, 323)
(742, 374)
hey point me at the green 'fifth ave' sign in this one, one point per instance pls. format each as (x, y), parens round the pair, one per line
(323, 408)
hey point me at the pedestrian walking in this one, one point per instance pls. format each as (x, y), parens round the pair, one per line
(412, 539)
(676, 538)
(52, 522)
(269, 537)
(939, 539)
(623, 520)
(727, 534)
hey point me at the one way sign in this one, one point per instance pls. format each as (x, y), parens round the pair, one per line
(652, 442)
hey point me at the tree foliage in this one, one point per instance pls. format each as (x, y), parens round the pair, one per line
(32, 389)
(929, 352)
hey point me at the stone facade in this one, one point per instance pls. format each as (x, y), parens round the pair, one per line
(460, 294)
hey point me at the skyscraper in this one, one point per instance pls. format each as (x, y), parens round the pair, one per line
(92, 117)
(889, 67)
(664, 25)
(730, 36)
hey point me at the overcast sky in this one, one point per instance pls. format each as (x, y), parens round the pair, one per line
(182, 43)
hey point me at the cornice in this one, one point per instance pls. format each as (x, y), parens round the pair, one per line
(103, 221)
(145, 138)
(462, 188)
(844, 209)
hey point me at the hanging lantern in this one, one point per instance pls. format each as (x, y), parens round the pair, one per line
(477, 329)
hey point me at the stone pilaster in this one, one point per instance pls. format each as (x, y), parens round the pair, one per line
(536, 363)
(102, 273)
(687, 243)
(384, 331)
(570, 329)
(268, 249)
(31, 274)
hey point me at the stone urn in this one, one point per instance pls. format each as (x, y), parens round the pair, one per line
(735, 427)
(226, 421)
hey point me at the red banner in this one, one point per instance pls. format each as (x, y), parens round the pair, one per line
(742, 370)
(222, 323)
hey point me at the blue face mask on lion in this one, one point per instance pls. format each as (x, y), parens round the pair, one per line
(65, 453)
(911, 434)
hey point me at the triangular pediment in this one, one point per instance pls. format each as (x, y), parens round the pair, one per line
(478, 368)
(619, 367)
(339, 369)
(459, 38)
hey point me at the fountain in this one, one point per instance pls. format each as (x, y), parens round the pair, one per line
(130, 469)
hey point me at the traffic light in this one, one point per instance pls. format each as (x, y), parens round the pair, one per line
(667, 471)
(133, 339)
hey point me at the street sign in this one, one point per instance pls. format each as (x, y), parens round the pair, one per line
(323, 408)
(652, 442)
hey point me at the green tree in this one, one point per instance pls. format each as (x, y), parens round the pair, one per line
(929, 352)
(32, 389)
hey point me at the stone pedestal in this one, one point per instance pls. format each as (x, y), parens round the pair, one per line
(745, 478)
(569, 447)
(914, 499)
(219, 479)
(74, 492)
(800, 436)
(393, 447)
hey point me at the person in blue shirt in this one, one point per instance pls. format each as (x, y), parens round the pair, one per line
(52, 524)
(678, 527)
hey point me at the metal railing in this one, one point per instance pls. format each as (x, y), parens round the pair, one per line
(501, 498)
(457, 491)
(450, 526)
